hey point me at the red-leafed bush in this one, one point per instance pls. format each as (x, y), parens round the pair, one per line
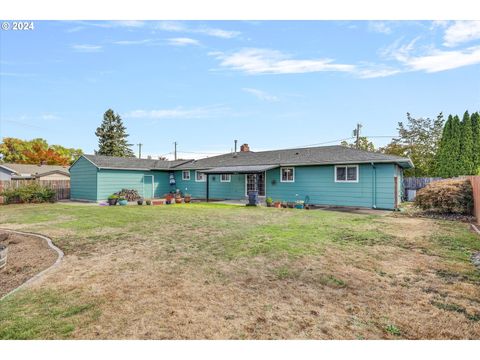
(452, 196)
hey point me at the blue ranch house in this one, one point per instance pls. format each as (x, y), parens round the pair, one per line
(328, 175)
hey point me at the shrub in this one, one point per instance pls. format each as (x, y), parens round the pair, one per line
(30, 193)
(128, 194)
(452, 196)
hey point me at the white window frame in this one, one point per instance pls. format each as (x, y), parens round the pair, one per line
(346, 174)
(183, 175)
(204, 177)
(226, 180)
(281, 174)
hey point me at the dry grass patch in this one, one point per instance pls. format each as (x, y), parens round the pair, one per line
(226, 272)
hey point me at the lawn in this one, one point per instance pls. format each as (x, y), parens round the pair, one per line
(217, 271)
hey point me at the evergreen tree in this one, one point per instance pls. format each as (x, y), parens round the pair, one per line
(455, 147)
(475, 118)
(443, 159)
(466, 164)
(112, 138)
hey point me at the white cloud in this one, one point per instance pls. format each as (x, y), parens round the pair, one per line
(260, 94)
(461, 32)
(178, 113)
(438, 60)
(431, 59)
(50, 117)
(16, 74)
(132, 42)
(129, 23)
(265, 61)
(183, 41)
(86, 48)
(379, 27)
(175, 26)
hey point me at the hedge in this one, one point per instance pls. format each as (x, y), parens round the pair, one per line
(451, 196)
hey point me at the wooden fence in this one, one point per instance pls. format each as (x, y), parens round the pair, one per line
(414, 183)
(61, 187)
(475, 180)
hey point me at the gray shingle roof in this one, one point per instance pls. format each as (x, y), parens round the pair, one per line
(244, 169)
(323, 155)
(111, 162)
(31, 169)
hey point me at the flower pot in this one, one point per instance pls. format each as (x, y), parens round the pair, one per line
(277, 204)
(123, 202)
(269, 204)
(148, 202)
(187, 199)
(299, 206)
(290, 205)
(178, 200)
(112, 202)
(140, 202)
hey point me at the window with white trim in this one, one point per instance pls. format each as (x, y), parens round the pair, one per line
(346, 173)
(287, 174)
(200, 176)
(186, 175)
(225, 177)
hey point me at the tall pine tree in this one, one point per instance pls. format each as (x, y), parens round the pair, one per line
(475, 118)
(466, 164)
(112, 136)
(455, 147)
(443, 159)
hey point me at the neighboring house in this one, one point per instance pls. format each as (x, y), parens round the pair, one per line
(328, 175)
(10, 171)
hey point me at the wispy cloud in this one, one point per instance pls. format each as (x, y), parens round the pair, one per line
(128, 23)
(379, 27)
(266, 61)
(133, 42)
(17, 74)
(461, 32)
(50, 117)
(179, 113)
(87, 48)
(260, 94)
(183, 41)
(176, 26)
(431, 59)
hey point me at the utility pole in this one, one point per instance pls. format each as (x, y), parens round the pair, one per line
(139, 150)
(175, 152)
(356, 133)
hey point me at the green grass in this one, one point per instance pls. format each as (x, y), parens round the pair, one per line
(42, 314)
(202, 236)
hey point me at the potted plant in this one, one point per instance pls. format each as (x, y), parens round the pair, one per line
(122, 201)
(290, 205)
(178, 198)
(269, 201)
(284, 205)
(277, 204)
(112, 200)
(299, 204)
(187, 198)
(168, 198)
(148, 202)
(140, 201)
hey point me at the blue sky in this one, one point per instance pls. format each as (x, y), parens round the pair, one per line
(272, 84)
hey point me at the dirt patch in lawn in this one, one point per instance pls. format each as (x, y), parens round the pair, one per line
(27, 256)
(186, 276)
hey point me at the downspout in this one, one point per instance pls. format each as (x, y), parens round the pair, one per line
(374, 186)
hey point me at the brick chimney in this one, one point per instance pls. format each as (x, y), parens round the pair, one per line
(244, 148)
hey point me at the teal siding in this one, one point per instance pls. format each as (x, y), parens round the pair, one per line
(83, 180)
(319, 184)
(110, 181)
(233, 190)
